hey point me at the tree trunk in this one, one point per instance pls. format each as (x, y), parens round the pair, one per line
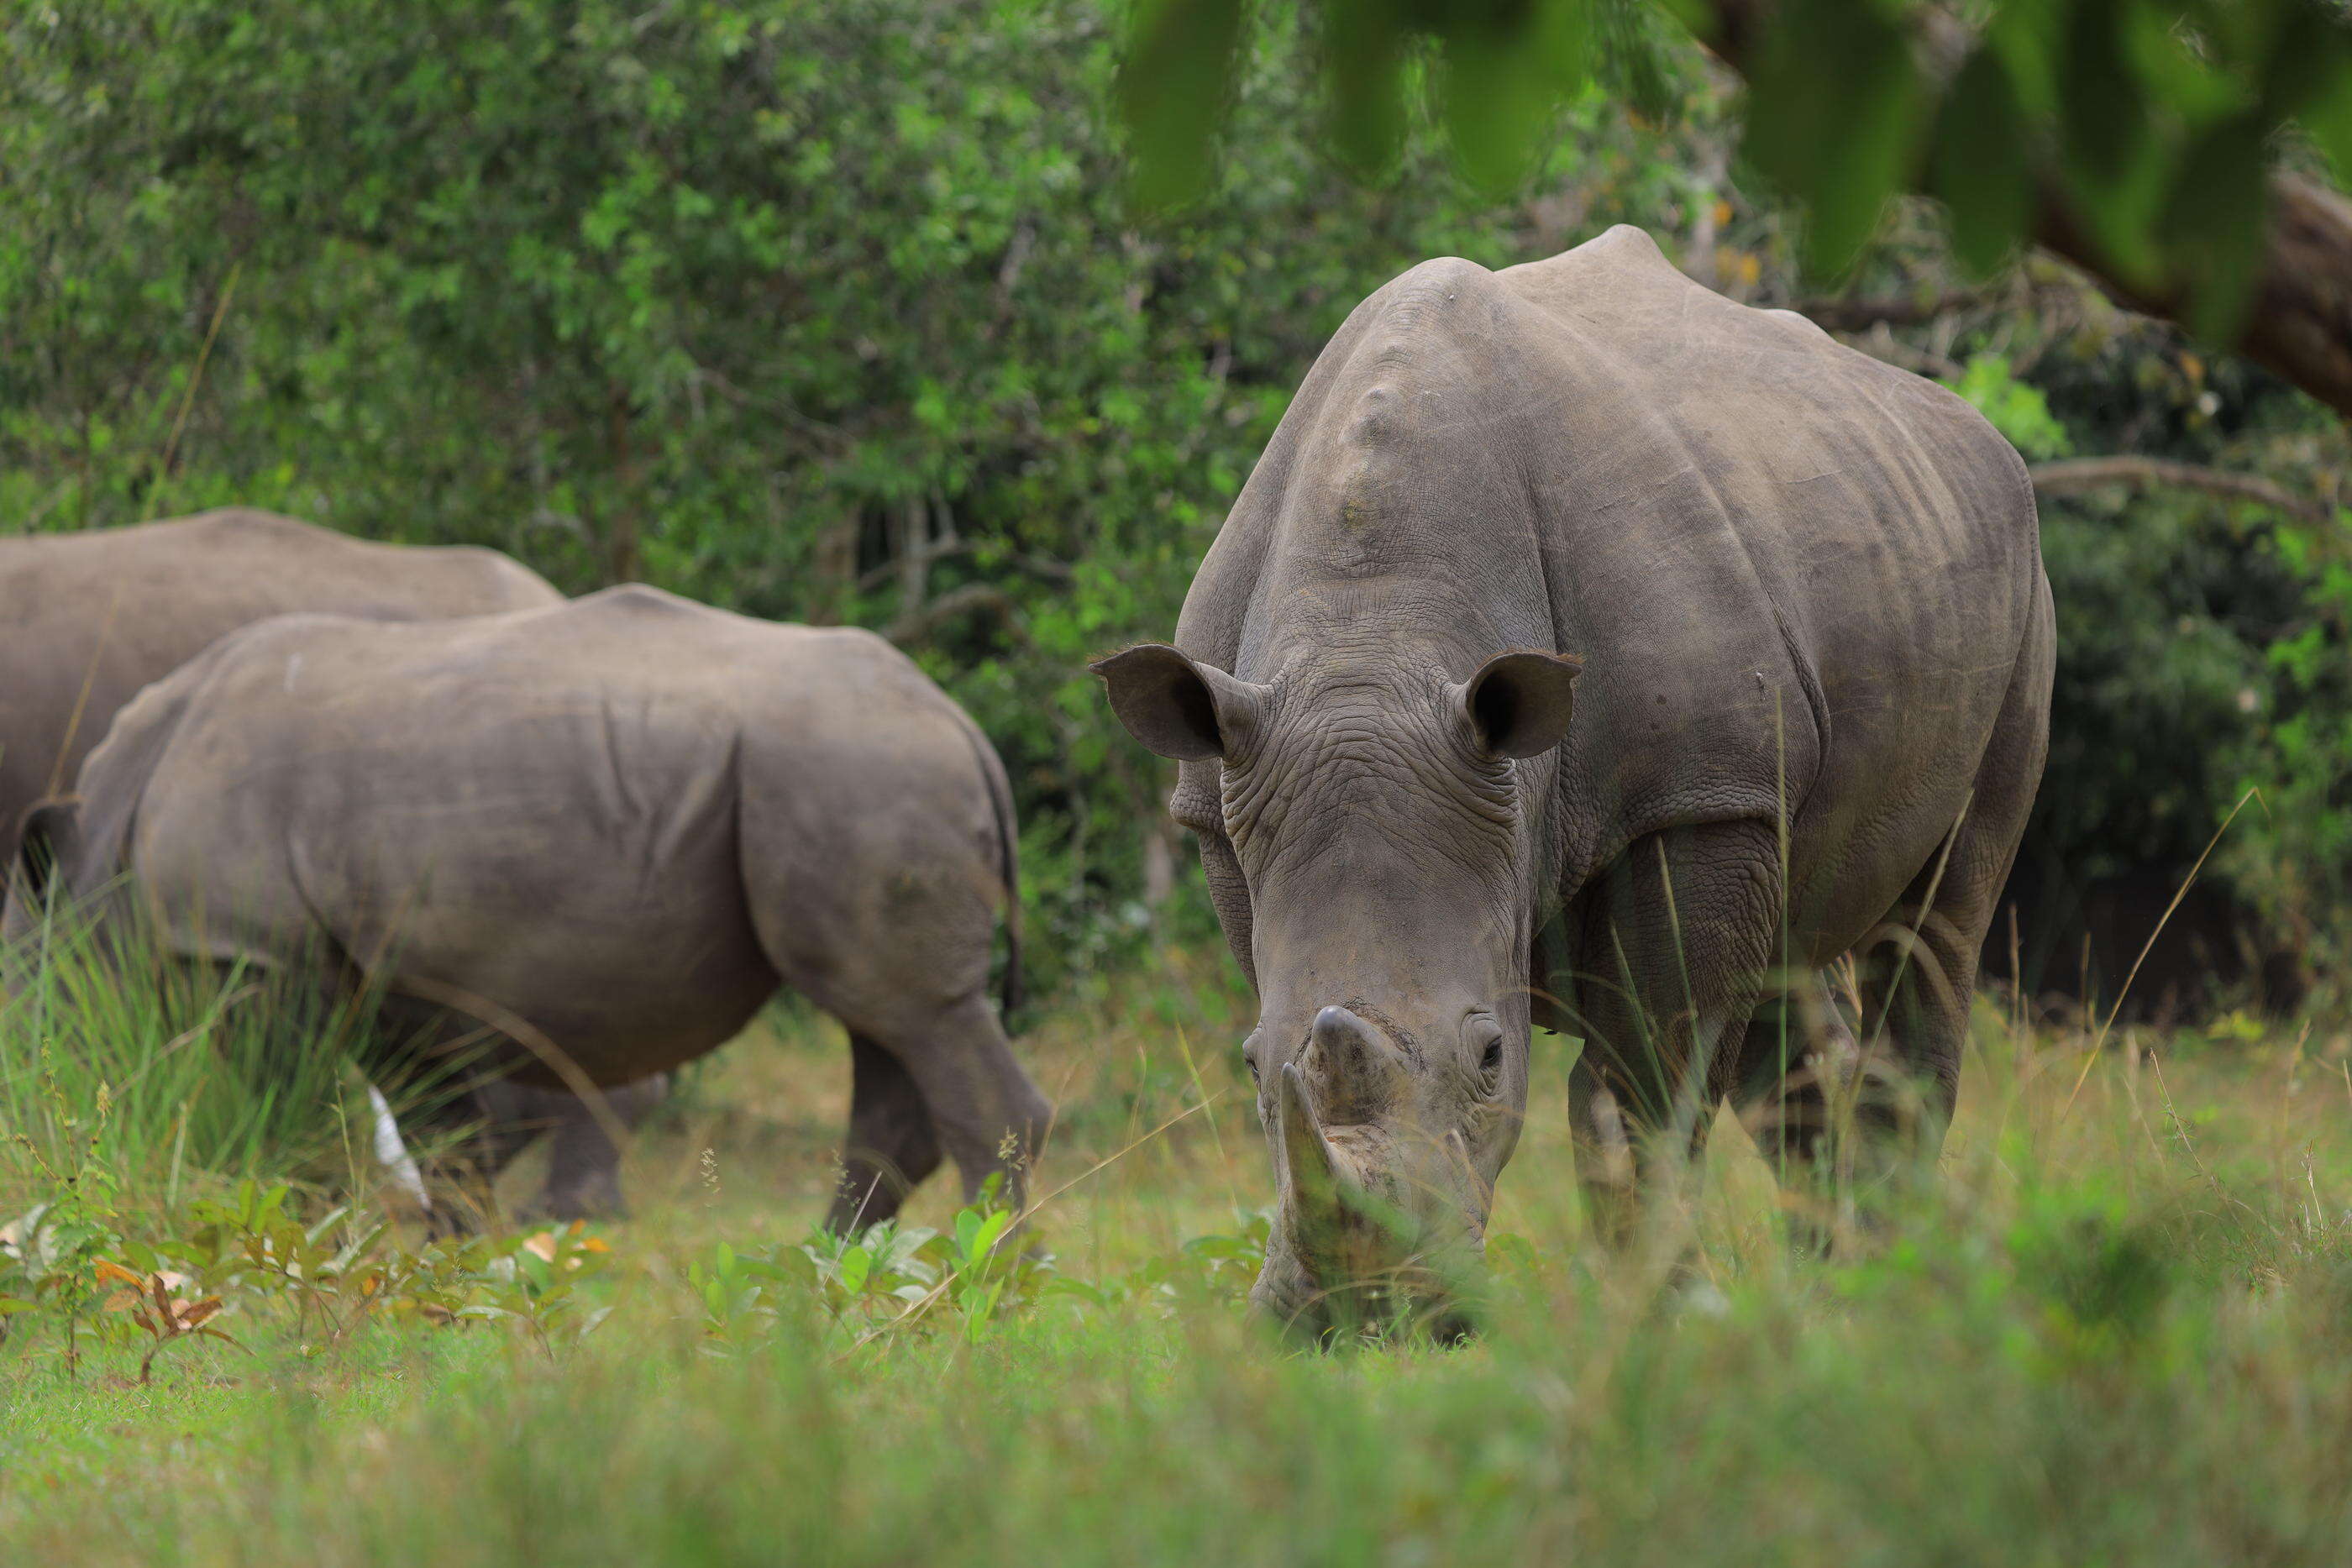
(624, 560)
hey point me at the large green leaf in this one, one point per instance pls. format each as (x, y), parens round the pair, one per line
(1363, 44)
(1835, 115)
(2214, 224)
(1505, 80)
(1982, 167)
(1172, 91)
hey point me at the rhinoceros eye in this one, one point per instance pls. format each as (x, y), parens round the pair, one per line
(1485, 1033)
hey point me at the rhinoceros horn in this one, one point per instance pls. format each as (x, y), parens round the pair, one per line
(1314, 1183)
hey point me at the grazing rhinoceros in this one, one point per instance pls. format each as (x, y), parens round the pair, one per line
(597, 836)
(87, 619)
(1794, 601)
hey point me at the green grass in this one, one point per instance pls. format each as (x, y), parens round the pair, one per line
(2119, 1330)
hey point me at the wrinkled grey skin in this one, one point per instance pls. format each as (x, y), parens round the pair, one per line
(87, 619)
(595, 837)
(1802, 586)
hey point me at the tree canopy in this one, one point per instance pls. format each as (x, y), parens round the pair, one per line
(839, 310)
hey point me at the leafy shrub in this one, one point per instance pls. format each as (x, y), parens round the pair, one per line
(2015, 408)
(823, 311)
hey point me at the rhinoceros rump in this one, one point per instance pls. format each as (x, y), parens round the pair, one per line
(1592, 649)
(602, 832)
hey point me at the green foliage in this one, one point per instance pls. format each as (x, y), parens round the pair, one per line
(70, 1270)
(823, 311)
(115, 1057)
(2205, 646)
(896, 1278)
(2016, 409)
(2153, 122)
(2298, 856)
(841, 313)
(2112, 1339)
(252, 1256)
(1497, 78)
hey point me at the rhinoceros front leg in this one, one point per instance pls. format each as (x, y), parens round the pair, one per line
(1676, 943)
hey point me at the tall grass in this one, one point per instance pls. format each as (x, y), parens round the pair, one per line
(119, 1057)
(2116, 1329)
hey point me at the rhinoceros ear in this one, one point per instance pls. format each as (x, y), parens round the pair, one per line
(1176, 708)
(1519, 703)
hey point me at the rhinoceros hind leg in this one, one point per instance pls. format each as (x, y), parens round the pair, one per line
(462, 1147)
(584, 1162)
(424, 1057)
(892, 1145)
(1797, 1079)
(1916, 990)
(1918, 966)
(988, 1117)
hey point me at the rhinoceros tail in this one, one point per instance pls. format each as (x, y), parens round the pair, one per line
(1013, 992)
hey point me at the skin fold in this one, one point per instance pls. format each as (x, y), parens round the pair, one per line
(1589, 650)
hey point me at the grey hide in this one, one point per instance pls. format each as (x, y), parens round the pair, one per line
(1558, 592)
(596, 836)
(87, 618)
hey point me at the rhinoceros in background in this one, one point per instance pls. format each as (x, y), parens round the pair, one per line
(596, 836)
(1793, 599)
(87, 619)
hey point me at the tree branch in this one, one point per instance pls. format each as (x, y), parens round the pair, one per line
(916, 625)
(1881, 344)
(1859, 313)
(2075, 475)
(2300, 322)
(2299, 325)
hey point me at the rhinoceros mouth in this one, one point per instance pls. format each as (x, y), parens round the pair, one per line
(1354, 1259)
(1408, 1302)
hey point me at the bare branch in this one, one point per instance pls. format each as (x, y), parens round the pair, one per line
(937, 551)
(1856, 313)
(2074, 475)
(919, 623)
(1881, 344)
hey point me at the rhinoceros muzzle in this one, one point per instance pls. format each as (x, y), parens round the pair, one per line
(1358, 1245)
